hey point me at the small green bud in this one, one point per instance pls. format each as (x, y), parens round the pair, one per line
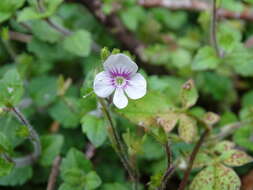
(115, 51)
(105, 53)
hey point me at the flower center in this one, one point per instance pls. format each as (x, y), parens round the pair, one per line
(120, 81)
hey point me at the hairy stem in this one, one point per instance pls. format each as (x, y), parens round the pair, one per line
(193, 155)
(170, 168)
(119, 147)
(33, 137)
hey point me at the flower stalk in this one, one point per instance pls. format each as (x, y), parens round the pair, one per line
(118, 145)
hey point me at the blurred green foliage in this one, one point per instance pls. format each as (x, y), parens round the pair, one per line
(49, 56)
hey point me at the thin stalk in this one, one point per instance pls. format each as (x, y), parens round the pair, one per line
(54, 173)
(51, 23)
(214, 29)
(170, 168)
(33, 137)
(119, 147)
(194, 153)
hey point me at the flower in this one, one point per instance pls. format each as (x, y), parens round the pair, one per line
(120, 76)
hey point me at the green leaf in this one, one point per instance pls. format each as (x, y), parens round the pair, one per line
(181, 58)
(241, 60)
(75, 159)
(132, 16)
(46, 95)
(17, 177)
(73, 176)
(66, 186)
(11, 87)
(44, 32)
(228, 37)
(236, 158)
(216, 86)
(113, 186)
(189, 94)
(5, 167)
(29, 13)
(8, 7)
(92, 181)
(51, 147)
(216, 177)
(211, 118)
(66, 112)
(78, 43)
(52, 6)
(202, 160)
(167, 121)
(143, 111)
(243, 137)
(5, 145)
(206, 58)
(95, 129)
(224, 146)
(4, 16)
(187, 128)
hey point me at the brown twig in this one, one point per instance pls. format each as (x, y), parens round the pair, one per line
(54, 173)
(197, 5)
(192, 158)
(214, 29)
(17, 36)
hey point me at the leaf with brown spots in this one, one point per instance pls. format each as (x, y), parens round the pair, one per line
(216, 177)
(237, 158)
(187, 128)
(167, 121)
(224, 146)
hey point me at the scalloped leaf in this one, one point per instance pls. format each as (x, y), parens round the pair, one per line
(187, 128)
(202, 160)
(211, 118)
(143, 111)
(224, 146)
(167, 121)
(189, 94)
(237, 158)
(216, 177)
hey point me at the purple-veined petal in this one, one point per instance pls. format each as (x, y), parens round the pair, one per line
(119, 99)
(120, 64)
(137, 87)
(102, 85)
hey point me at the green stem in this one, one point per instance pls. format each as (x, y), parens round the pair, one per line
(118, 146)
(33, 137)
(170, 168)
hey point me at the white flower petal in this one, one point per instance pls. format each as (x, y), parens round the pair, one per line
(119, 99)
(102, 85)
(120, 63)
(137, 87)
